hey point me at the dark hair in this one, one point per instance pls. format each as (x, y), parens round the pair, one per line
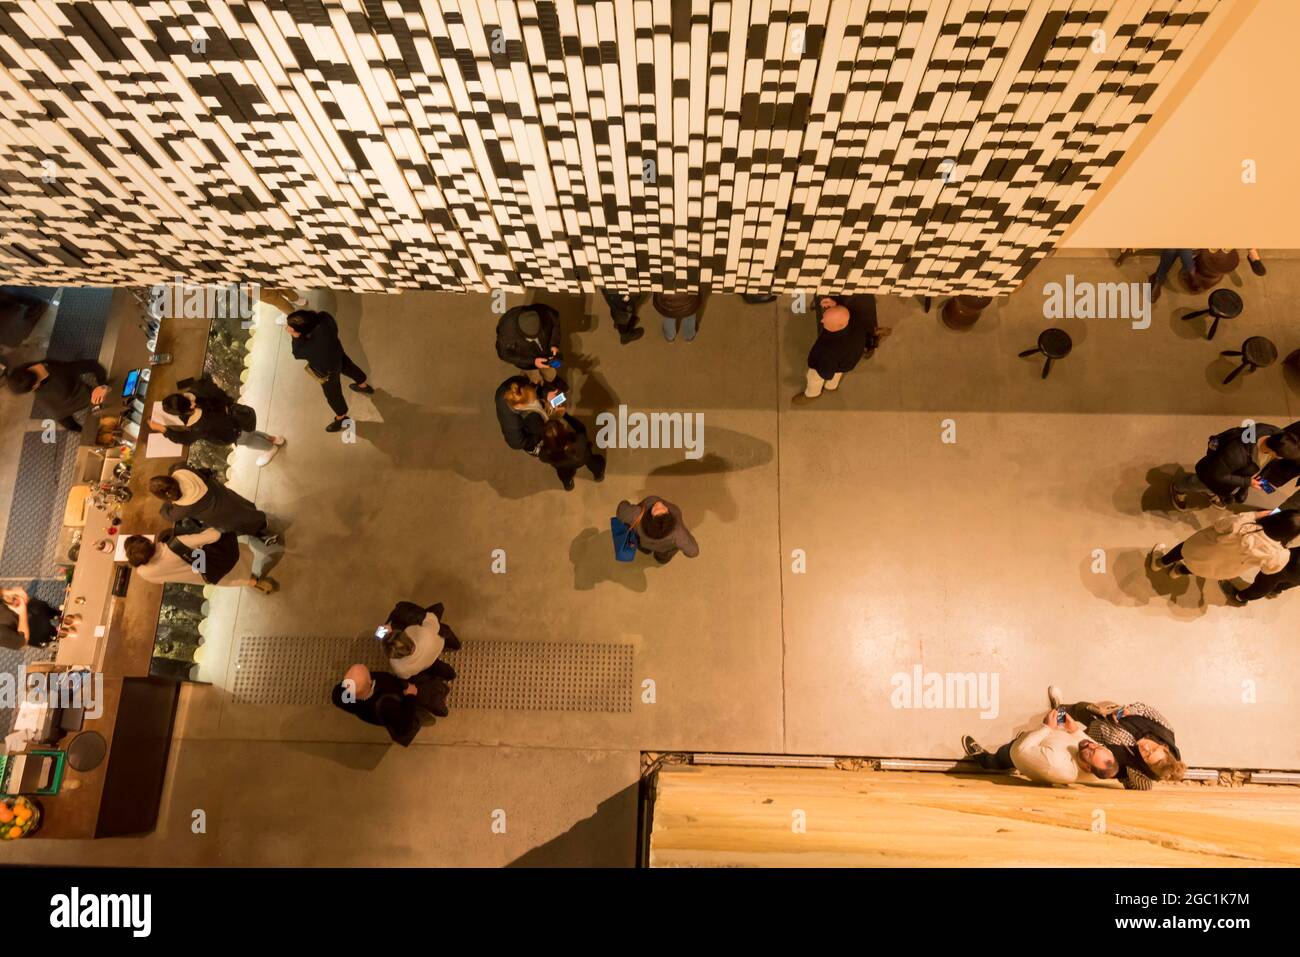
(658, 526)
(22, 380)
(165, 487)
(1282, 527)
(305, 320)
(398, 645)
(178, 404)
(138, 550)
(557, 440)
(1286, 443)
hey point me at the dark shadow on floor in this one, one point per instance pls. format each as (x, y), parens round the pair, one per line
(592, 555)
(606, 839)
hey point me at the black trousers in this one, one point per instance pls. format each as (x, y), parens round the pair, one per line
(594, 463)
(999, 760)
(333, 386)
(42, 623)
(663, 558)
(622, 309)
(1266, 585)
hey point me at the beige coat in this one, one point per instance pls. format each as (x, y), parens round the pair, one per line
(1231, 547)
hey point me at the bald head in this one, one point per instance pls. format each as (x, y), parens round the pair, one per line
(357, 682)
(834, 318)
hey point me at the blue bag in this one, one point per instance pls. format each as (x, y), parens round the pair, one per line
(625, 537)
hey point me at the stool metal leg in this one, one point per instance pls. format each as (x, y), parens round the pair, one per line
(1197, 314)
(1214, 327)
(1244, 367)
(1030, 352)
(1047, 367)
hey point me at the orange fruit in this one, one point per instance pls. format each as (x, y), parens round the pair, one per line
(6, 815)
(15, 833)
(22, 814)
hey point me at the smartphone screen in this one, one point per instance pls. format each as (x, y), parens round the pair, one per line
(381, 632)
(131, 384)
(558, 400)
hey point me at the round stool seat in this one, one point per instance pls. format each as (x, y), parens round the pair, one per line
(1259, 351)
(1055, 343)
(1225, 304)
(87, 751)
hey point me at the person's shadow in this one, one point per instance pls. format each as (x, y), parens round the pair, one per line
(413, 437)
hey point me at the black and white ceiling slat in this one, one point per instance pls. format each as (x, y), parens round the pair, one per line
(905, 146)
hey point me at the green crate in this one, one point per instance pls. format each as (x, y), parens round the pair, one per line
(56, 782)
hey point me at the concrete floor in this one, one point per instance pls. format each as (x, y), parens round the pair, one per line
(975, 556)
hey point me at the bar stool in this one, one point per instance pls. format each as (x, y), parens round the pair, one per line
(1053, 343)
(1224, 304)
(1257, 352)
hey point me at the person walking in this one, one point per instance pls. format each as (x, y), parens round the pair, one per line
(1239, 459)
(316, 342)
(660, 528)
(622, 310)
(206, 557)
(207, 412)
(844, 335)
(60, 387)
(1167, 259)
(523, 409)
(566, 448)
(397, 705)
(1234, 546)
(1057, 752)
(193, 493)
(25, 622)
(528, 337)
(414, 638)
(678, 308)
(1139, 736)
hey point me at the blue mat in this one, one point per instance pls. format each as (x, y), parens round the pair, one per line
(45, 472)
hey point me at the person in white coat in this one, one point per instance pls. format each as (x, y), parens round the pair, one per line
(1057, 752)
(414, 638)
(1234, 546)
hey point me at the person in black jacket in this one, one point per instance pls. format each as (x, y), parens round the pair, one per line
(846, 330)
(382, 698)
(194, 493)
(1240, 459)
(60, 388)
(1266, 586)
(565, 448)
(524, 408)
(622, 309)
(208, 413)
(528, 337)
(316, 342)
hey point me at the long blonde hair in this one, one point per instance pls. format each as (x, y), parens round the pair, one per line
(399, 645)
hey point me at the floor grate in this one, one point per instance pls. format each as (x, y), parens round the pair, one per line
(491, 675)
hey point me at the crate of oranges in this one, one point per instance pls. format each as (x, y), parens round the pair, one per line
(19, 816)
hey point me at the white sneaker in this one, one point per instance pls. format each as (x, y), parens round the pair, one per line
(265, 457)
(1158, 553)
(1054, 696)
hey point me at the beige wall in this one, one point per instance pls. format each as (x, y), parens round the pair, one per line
(747, 817)
(1180, 185)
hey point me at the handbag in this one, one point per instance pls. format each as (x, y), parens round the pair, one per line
(625, 537)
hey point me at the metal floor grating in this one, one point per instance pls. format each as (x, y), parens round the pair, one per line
(491, 675)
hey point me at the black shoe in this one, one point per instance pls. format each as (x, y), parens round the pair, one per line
(971, 747)
(363, 389)
(442, 670)
(1232, 595)
(448, 637)
(1256, 266)
(437, 608)
(663, 559)
(1179, 501)
(337, 425)
(631, 335)
(568, 484)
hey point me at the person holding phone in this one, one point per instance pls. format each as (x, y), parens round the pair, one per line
(528, 337)
(414, 637)
(316, 342)
(1234, 546)
(1266, 584)
(523, 409)
(1260, 456)
(1057, 752)
(207, 412)
(1140, 737)
(398, 705)
(61, 389)
(661, 530)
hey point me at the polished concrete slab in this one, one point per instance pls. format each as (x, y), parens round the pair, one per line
(842, 544)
